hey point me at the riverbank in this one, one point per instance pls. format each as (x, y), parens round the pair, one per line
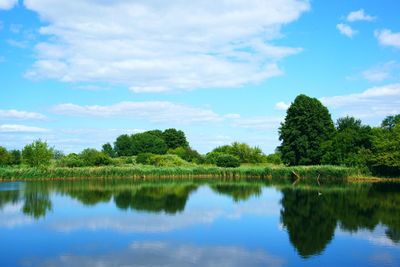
(320, 173)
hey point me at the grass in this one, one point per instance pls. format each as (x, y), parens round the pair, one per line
(141, 172)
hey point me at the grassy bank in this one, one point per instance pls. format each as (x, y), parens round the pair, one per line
(326, 173)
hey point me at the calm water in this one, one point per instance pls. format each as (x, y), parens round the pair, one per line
(122, 223)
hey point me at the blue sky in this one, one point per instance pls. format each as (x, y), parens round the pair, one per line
(79, 73)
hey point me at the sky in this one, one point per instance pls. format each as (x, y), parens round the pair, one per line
(79, 73)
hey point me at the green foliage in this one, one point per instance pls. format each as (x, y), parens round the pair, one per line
(349, 143)
(4, 156)
(108, 150)
(227, 161)
(15, 157)
(145, 158)
(211, 157)
(390, 122)
(273, 158)
(147, 143)
(307, 126)
(187, 153)
(71, 161)
(92, 157)
(37, 154)
(168, 161)
(175, 138)
(58, 154)
(242, 151)
(123, 145)
(385, 158)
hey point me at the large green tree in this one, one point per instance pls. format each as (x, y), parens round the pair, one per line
(37, 154)
(147, 143)
(349, 143)
(123, 146)
(385, 159)
(175, 138)
(307, 126)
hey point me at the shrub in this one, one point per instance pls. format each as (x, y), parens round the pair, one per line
(211, 157)
(242, 151)
(37, 154)
(168, 161)
(187, 153)
(227, 161)
(144, 158)
(71, 160)
(92, 157)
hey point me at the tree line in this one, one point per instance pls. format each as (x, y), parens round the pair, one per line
(309, 137)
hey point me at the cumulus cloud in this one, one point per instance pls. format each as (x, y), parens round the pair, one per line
(282, 106)
(17, 128)
(359, 15)
(346, 30)
(20, 115)
(153, 111)
(376, 102)
(8, 4)
(388, 38)
(158, 46)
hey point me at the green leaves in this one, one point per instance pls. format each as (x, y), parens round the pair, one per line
(307, 126)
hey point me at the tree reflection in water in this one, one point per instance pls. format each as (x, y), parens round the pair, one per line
(309, 217)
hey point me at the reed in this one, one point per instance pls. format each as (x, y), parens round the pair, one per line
(142, 172)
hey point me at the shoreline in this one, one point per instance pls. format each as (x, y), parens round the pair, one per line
(143, 172)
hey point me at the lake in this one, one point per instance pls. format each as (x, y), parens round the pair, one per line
(207, 223)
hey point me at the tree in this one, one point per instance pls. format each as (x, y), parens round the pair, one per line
(390, 122)
(108, 150)
(147, 142)
(37, 154)
(307, 126)
(385, 158)
(123, 145)
(175, 138)
(4, 156)
(15, 157)
(348, 144)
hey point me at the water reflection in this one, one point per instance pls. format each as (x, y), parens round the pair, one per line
(310, 215)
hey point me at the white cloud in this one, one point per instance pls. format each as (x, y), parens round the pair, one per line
(153, 111)
(380, 72)
(359, 15)
(158, 46)
(20, 115)
(282, 106)
(8, 4)
(17, 128)
(376, 102)
(346, 30)
(157, 253)
(388, 38)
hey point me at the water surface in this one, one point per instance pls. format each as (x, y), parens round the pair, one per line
(126, 223)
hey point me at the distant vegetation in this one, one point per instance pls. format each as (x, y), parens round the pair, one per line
(308, 135)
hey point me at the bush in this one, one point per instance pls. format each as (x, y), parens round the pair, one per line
(242, 151)
(70, 161)
(211, 157)
(273, 159)
(37, 154)
(168, 161)
(144, 158)
(92, 157)
(227, 161)
(187, 153)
